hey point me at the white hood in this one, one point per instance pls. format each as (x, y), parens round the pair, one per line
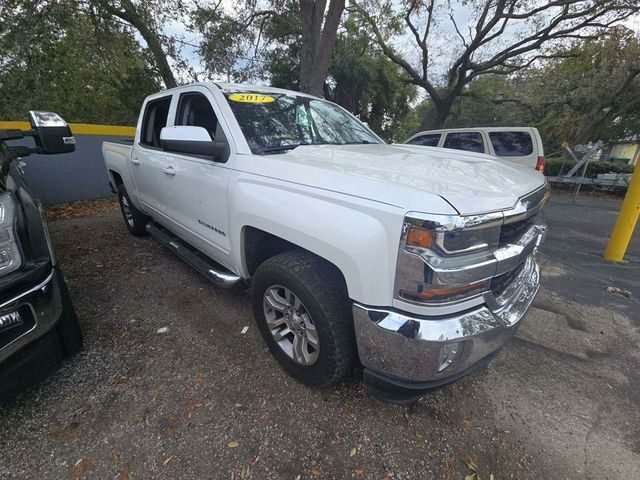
(401, 174)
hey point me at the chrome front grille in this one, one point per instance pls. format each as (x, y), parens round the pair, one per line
(512, 232)
(500, 283)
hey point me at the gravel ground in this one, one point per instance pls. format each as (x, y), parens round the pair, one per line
(205, 401)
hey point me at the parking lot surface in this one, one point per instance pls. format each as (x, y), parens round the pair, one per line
(202, 400)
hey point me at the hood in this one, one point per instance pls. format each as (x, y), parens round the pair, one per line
(401, 175)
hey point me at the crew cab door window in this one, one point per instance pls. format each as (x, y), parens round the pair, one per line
(469, 141)
(430, 140)
(194, 109)
(154, 120)
(511, 144)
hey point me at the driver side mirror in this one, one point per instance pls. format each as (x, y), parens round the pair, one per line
(191, 140)
(51, 133)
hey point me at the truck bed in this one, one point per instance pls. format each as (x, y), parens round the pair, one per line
(116, 154)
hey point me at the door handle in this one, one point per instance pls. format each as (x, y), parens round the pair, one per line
(135, 161)
(169, 170)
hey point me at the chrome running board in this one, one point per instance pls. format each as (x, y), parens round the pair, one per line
(198, 260)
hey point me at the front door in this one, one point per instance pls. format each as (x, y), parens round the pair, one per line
(197, 192)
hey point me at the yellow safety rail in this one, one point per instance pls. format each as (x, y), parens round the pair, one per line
(81, 128)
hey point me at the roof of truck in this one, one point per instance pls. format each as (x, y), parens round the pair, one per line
(242, 87)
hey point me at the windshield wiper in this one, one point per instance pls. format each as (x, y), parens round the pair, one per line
(281, 148)
(360, 142)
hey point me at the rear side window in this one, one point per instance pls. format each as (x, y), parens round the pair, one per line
(154, 120)
(469, 141)
(511, 144)
(194, 109)
(430, 140)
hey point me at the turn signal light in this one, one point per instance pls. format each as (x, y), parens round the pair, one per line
(540, 164)
(419, 237)
(435, 293)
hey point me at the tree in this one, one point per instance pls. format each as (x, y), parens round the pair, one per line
(238, 45)
(369, 85)
(55, 57)
(144, 17)
(593, 94)
(318, 40)
(501, 38)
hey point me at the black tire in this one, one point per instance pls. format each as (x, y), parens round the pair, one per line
(135, 220)
(322, 291)
(68, 326)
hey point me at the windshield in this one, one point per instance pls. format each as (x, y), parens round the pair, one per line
(274, 122)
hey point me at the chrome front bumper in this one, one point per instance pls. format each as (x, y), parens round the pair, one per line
(411, 348)
(42, 304)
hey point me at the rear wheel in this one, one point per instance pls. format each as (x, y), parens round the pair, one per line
(134, 219)
(303, 312)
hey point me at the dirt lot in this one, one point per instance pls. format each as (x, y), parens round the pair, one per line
(205, 401)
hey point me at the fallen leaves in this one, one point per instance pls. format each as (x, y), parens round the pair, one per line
(448, 465)
(353, 452)
(125, 473)
(65, 432)
(81, 209)
(619, 292)
(233, 444)
(80, 468)
(167, 460)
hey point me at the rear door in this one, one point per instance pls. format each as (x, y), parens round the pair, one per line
(469, 141)
(197, 185)
(516, 145)
(148, 160)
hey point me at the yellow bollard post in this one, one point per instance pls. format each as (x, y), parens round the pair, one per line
(626, 222)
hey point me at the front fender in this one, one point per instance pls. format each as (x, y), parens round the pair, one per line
(358, 236)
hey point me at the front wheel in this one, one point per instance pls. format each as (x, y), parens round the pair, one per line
(302, 309)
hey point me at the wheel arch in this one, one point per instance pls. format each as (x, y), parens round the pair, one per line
(259, 245)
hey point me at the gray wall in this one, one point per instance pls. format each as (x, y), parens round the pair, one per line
(70, 177)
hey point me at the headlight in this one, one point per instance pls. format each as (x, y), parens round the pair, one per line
(10, 258)
(445, 242)
(449, 235)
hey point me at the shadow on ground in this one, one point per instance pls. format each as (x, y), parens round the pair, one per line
(205, 401)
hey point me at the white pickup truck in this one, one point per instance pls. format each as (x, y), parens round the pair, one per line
(418, 262)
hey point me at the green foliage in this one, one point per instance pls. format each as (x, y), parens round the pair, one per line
(55, 57)
(592, 94)
(557, 166)
(369, 85)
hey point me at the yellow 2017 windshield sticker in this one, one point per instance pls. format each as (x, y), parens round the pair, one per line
(251, 98)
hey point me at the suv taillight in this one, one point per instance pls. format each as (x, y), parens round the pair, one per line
(540, 164)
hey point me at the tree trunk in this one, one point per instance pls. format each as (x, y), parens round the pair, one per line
(443, 110)
(318, 42)
(132, 16)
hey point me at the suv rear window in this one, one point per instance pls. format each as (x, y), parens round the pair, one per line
(511, 144)
(154, 120)
(430, 140)
(469, 141)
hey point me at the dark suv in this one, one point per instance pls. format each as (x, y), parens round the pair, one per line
(38, 324)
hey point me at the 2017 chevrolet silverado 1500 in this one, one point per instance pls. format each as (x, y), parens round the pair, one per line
(38, 324)
(420, 262)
